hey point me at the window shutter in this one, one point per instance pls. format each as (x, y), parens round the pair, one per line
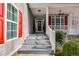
(2, 11)
(66, 22)
(20, 24)
(49, 20)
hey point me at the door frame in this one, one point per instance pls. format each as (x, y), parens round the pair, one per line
(36, 25)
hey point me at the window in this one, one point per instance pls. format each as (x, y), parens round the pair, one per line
(11, 21)
(58, 21)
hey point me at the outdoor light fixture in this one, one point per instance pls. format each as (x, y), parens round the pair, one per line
(60, 12)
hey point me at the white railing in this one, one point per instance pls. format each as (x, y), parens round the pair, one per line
(49, 31)
(51, 35)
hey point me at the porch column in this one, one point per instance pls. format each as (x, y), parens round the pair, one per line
(49, 31)
(47, 12)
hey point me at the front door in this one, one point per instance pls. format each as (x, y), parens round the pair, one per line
(39, 25)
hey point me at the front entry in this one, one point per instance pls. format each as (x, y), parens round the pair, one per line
(39, 24)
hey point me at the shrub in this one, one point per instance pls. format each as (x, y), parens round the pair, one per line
(59, 36)
(59, 42)
(58, 53)
(71, 48)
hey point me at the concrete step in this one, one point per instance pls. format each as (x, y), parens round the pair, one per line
(34, 52)
(25, 47)
(36, 43)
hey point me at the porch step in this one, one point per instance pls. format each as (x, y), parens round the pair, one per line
(36, 43)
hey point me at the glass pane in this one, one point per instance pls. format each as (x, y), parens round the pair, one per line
(53, 20)
(11, 34)
(62, 26)
(62, 21)
(57, 26)
(15, 11)
(8, 35)
(58, 21)
(8, 26)
(11, 26)
(14, 14)
(14, 33)
(13, 17)
(9, 7)
(15, 26)
(9, 15)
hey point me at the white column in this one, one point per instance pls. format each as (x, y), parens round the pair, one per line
(47, 12)
(49, 31)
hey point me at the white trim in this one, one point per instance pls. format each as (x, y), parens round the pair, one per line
(8, 40)
(11, 21)
(17, 21)
(36, 25)
(5, 24)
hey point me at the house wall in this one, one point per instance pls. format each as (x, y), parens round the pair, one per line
(73, 18)
(9, 47)
(30, 21)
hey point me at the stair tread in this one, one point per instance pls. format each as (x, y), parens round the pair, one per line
(36, 42)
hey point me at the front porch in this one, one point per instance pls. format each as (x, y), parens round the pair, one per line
(31, 28)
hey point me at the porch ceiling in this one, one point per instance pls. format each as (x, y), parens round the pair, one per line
(36, 7)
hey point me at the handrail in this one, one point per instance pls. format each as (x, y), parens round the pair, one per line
(51, 35)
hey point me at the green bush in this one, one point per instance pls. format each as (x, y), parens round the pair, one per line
(59, 42)
(58, 53)
(59, 36)
(71, 48)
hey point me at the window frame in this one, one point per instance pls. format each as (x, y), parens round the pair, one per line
(54, 17)
(8, 20)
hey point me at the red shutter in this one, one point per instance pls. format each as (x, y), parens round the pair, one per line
(49, 20)
(20, 24)
(66, 22)
(2, 11)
